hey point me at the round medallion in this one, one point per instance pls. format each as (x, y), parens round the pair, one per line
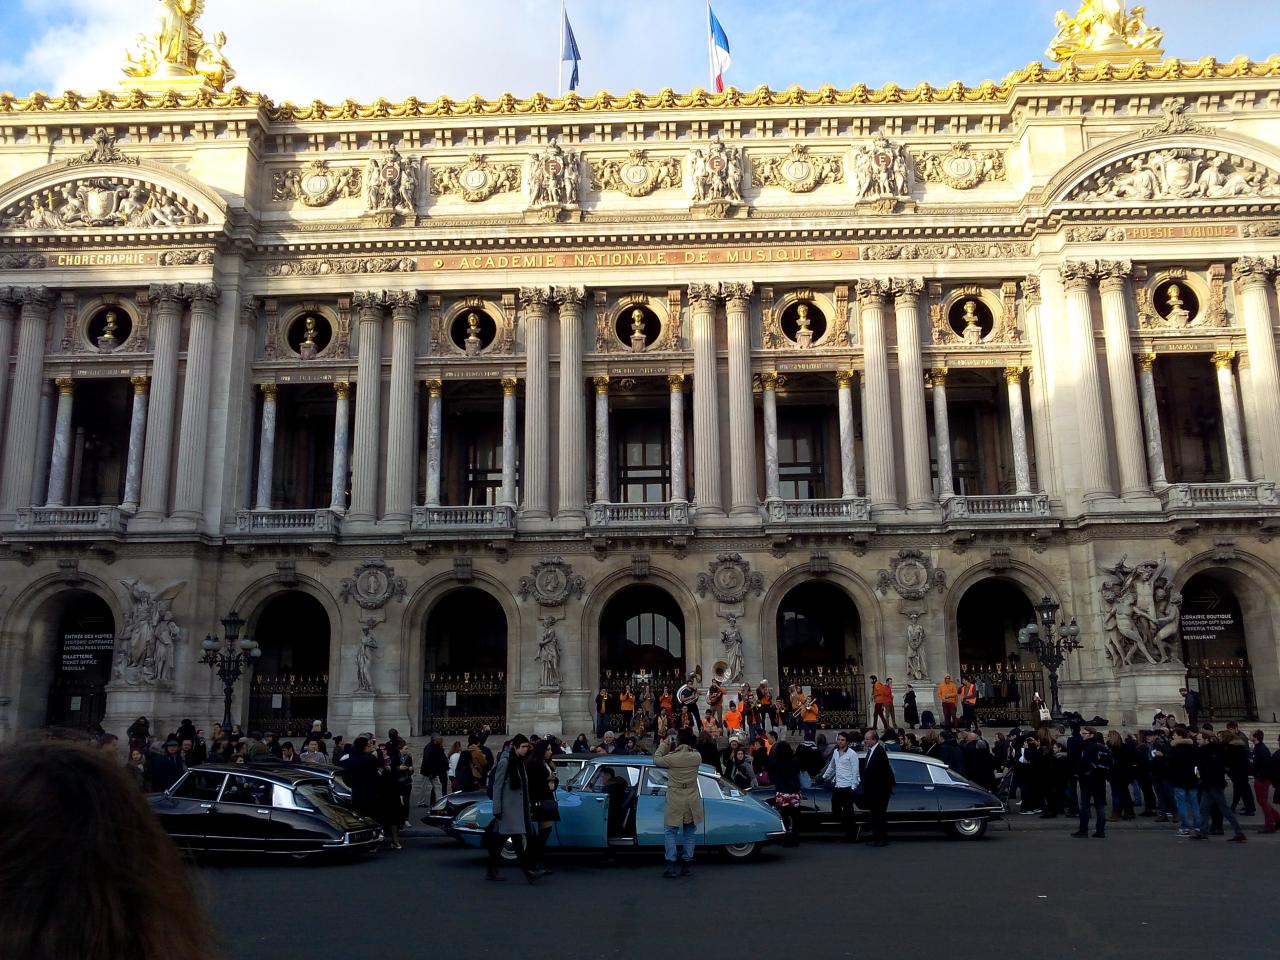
(554, 167)
(797, 170)
(372, 583)
(551, 581)
(716, 163)
(731, 579)
(317, 184)
(473, 179)
(962, 168)
(635, 174)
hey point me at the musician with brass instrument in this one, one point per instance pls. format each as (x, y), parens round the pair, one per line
(809, 711)
(795, 699)
(715, 693)
(768, 710)
(687, 696)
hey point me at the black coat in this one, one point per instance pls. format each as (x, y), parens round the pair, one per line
(910, 714)
(363, 773)
(949, 752)
(877, 777)
(166, 769)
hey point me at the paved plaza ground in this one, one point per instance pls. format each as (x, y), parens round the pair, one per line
(1029, 892)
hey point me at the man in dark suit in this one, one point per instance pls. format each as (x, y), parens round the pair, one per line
(877, 787)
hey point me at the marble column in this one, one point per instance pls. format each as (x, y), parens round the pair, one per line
(137, 440)
(769, 400)
(942, 433)
(602, 439)
(341, 446)
(1232, 428)
(1092, 428)
(1264, 370)
(24, 408)
(915, 431)
(879, 412)
(1151, 419)
(435, 409)
(848, 440)
(193, 438)
(573, 407)
(1018, 430)
(367, 442)
(742, 413)
(166, 334)
(507, 495)
(679, 485)
(1113, 284)
(1248, 403)
(59, 462)
(266, 447)
(402, 443)
(535, 303)
(706, 409)
(44, 441)
(9, 302)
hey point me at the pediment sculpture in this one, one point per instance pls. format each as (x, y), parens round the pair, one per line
(94, 202)
(316, 184)
(636, 176)
(798, 171)
(1179, 174)
(476, 180)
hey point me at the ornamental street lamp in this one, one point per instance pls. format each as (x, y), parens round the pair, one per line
(1050, 641)
(228, 663)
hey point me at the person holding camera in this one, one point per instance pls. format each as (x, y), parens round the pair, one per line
(683, 813)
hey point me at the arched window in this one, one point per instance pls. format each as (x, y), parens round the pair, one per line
(642, 629)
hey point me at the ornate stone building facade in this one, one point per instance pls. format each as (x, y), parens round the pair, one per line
(470, 407)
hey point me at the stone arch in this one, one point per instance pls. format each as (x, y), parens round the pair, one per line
(1070, 177)
(413, 625)
(1255, 583)
(764, 656)
(26, 646)
(1035, 584)
(253, 599)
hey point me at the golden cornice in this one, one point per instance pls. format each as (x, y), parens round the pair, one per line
(989, 91)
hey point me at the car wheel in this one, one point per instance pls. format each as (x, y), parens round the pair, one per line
(970, 829)
(741, 851)
(509, 851)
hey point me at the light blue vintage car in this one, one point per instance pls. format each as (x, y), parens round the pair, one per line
(629, 814)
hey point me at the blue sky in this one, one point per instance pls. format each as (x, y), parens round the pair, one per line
(331, 49)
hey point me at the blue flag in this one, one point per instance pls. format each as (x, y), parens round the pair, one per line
(569, 51)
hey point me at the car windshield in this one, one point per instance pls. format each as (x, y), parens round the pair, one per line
(314, 795)
(581, 778)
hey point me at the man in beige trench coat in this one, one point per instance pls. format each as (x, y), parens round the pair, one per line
(684, 803)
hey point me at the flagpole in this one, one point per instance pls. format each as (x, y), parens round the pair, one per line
(560, 44)
(711, 61)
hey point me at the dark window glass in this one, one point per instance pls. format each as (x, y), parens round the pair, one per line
(642, 457)
(801, 457)
(907, 771)
(250, 790)
(484, 464)
(200, 785)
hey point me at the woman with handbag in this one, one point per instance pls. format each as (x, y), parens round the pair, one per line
(510, 810)
(784, 774)
(543, 809)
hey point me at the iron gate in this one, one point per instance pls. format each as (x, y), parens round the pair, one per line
(616, 681)
(75, 704)
(1226, 689)
(1012, 693)
(287, 705)
(840, 692)
(460, 703)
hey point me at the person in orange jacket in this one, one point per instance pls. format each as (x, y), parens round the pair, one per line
(882, 697)
(948, 696)
(969, 703)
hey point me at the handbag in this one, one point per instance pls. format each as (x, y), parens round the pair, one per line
(545, 811)
(762, 778)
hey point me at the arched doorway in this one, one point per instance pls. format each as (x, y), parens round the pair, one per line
(464, 674)
(1215, 647)
(820, 650)
(290, 687)
(84, 638)
(642, 640)
(990, 614)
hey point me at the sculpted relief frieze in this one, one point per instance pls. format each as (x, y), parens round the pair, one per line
(716, 172)
(476, 180)
(391, 189)
(797, 171)
(880, 173)
(316, 184)
(636, 176)
(94, 202)
(960, 168)
(1179, 174)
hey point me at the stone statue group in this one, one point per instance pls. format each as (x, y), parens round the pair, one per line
(145, 651)
(1140, 612)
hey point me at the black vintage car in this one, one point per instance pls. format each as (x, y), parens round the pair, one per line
(928, 794)
(288, 809)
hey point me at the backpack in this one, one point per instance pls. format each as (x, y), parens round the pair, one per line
(1103, 760)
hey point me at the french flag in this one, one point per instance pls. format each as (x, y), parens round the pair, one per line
(718, 47)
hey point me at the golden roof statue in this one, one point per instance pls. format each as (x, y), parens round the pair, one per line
(177, 54)
(1104, 30)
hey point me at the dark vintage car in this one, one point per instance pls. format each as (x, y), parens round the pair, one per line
(450, 805)
(928, 794)
(333, 774)
(282, 809)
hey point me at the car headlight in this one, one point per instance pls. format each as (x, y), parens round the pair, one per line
(468, 817)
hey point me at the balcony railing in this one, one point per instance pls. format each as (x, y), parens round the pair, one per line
(296, 522)
(1002, 507)
(456, 518)
(104, 519)
(670, 513)
(1184, 495)
(852, 509)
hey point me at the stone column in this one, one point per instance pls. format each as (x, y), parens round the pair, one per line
(59, 461)
(402, 442)
(341, 446)
(706, 409)
(915, 433)
(1018, 430)
(507, 495)
(44, 441)
(193, 438)
(848, 441)
(742, 414)
(435, 408)
(1092, 428)
(19, 465)
(364, 461)
(1264, 372)
(137, 439)
(1233, 434)
(1248, 401)
(602, 439)
(1151, 419)
(769, 394)
(879, 413)
(166, 333)
(573, 407)
(266, 447)
(942, 433)
(537, 420)
(1114, 287)
(679, 487)
(9, 301)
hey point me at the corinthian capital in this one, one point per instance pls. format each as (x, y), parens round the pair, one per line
(570, 296)
(367, 301)
(906, 288)
(1113, 273)
(1077, 273)
(704, 292)
(1031, 289)
(40, 298)
(535, 296)
(162, 292)
(873, 291)
(1249, 270)
(207, 292)
(736, 292)
(403, 302)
